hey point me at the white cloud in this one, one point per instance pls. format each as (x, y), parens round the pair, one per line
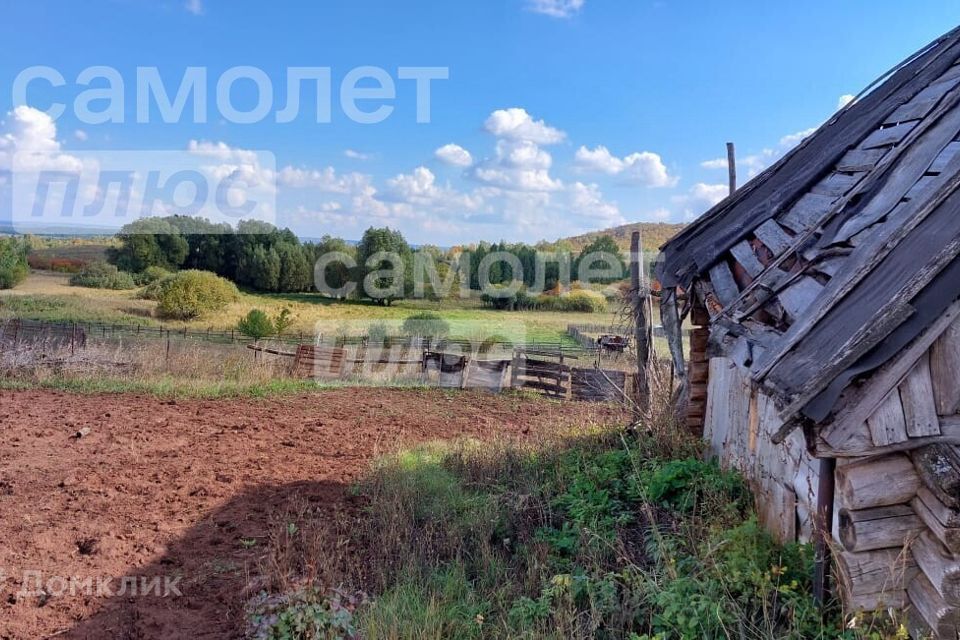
(80, 135)
(356, 155)
(420, 188)
(518, 166)
(194, 6)
(699, 198)
(642, 168)
(454, 154)
(32, 135)
(752, 164)
(555, 8)
(220, 151)
(844, 100)
(587, 201)
(516, 124)
(326, 180)
(791, 140)
(242, 164)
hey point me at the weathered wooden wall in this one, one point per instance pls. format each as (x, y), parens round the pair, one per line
(739, 424)
(897, 503)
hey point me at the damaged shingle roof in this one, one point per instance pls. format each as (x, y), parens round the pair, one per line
(832, 260)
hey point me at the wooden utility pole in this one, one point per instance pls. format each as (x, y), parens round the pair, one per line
(641, 323)
(732, 167)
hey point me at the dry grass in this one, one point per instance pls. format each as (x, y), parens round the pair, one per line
(48, 296)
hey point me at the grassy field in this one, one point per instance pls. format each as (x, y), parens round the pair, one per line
(48, 296)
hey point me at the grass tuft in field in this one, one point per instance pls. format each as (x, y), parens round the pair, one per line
(596, 535)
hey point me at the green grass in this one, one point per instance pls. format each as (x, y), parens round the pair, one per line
(169, 387)
(595, 536)
(48, 297)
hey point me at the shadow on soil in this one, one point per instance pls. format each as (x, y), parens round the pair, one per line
(216, 558)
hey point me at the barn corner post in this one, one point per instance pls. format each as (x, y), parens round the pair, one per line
(641, 326)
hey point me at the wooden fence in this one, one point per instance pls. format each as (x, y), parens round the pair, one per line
(538, 371)
(13, 332)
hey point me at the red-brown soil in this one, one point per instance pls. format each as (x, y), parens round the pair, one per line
(171, 488)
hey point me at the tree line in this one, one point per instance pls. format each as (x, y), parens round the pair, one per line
(262, 257)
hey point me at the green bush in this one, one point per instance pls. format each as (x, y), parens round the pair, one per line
(150, 275)
(584, 301)
(189, 294)
(152, 291)
(102, 275)
(256, 325)
(579, 301)
(13, 262)
(426, 324)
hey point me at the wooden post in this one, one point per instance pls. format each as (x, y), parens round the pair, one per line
(823, 529)
(732, 167)
(641, 325)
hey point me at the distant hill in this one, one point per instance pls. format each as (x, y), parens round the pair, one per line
(652, 235)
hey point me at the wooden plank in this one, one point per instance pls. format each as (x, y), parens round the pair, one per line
(879, 571)
(773, 237)
(879, 528)
(921, 188)
(798, 297)
(939, 565)
(746, 258)
(887, 424)
(860, 160)
(807, 212)
(540, 385)
(945, 369)
(777, 506)
(944, 157)
(837, 184)
(888, 136)
(724, 286)
(916, 395)
(702, 244)
(913, 164)
(941, 619)
(845, 439)
(947, 516)
(877, 482)
(948, 536)
(949, 434)
(862, 401)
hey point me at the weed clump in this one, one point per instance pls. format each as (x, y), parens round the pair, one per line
(604, 535)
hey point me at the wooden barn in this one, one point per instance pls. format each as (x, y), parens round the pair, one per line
(825, 354)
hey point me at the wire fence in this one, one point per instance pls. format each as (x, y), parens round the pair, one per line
(78, 333)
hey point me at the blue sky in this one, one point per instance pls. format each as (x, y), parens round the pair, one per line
(558, 116)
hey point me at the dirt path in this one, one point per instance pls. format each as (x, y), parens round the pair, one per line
(172, 489)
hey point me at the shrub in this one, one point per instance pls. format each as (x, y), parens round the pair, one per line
(581, 301)
(13, 262)
(282, 321)
(59, 265)
(256, 325)
(427, 324)
(152, 290)
(102, 275)
(378, 332)
(189, 294)
(150, 275)
(584, 301)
